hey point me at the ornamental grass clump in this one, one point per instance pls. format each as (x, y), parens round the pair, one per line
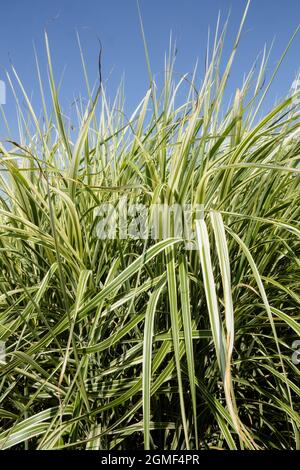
(116, 340)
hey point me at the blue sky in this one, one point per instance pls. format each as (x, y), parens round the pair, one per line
(116, 23)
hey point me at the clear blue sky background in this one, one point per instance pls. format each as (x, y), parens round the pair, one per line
(116, 23)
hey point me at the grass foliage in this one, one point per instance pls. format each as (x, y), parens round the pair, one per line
(128, 343)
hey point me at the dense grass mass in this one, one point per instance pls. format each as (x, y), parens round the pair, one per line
(121, 343)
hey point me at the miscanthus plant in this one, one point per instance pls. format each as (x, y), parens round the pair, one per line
(121, 343)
